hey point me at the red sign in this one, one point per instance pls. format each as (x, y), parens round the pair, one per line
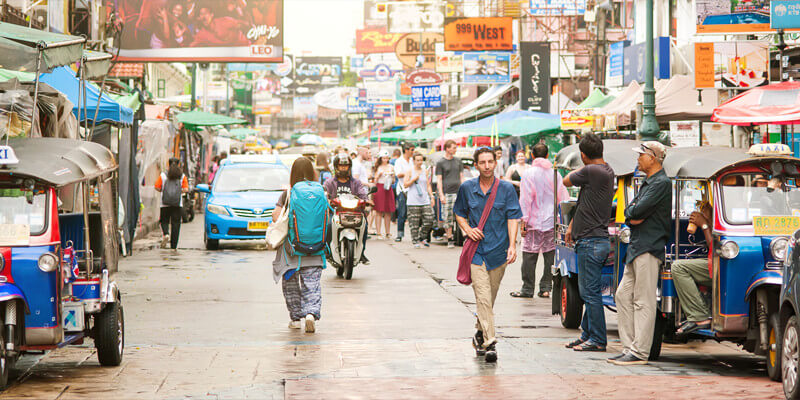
(478, 34)
(376, 40)
(423, 77)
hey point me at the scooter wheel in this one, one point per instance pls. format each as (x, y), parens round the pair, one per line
(491, 356)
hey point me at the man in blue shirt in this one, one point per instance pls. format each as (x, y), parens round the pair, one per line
(497, 241)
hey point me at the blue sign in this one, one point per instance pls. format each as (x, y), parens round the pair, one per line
(543, 8)
(615, 55)
(426, 97)
(356, 62)
(785, 14)
(487, 67)
(357, 105)
(634, 66)
(380, 111)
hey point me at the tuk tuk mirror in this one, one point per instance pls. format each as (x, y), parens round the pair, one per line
(29, 196)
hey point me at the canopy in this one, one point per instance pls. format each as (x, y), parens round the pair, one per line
(596, 99)
(677, 100)
(65, 81)
(57, 49)
(59, 162)
(96, 63)
(778, 103)
(701, 162)
(431, 132)
(130, 100)
(482, 103)
(485, 125)
(618, 153)
(193, 119)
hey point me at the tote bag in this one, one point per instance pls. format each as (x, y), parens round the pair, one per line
(279, 229)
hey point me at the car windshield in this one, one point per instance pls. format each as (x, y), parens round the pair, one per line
(745, 196)
(16, 210)
(257, 179)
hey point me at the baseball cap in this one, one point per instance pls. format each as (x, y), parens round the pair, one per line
(653, 148)
(383, 153)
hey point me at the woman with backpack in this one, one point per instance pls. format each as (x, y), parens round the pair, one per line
(171, 185)
(300, 276)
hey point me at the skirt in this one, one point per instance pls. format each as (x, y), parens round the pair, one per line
(384, 199)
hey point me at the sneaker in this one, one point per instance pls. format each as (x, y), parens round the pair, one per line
(425, 243)
(294, 324)
(616, 357)
(477, 343)
(398, 239)
(416, 245)
(491, 353)
(310, 323)
(364, 260)
(629, 359)
(165, 241)
(450, 245)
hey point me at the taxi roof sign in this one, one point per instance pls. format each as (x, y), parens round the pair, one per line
(770, 149)
(7, 156)
(252, 158)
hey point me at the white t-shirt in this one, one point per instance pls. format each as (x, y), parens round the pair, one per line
(360, 171)
(401, 166)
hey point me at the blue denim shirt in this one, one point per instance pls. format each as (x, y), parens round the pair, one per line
(493, 249)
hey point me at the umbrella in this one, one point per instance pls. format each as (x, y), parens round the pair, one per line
(778, 103)
(309, 138)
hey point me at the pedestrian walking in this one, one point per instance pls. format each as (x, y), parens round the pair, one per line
(323, 167)
(648, 216)
(536, 201)
(502, 163)
(515, 172)
(401, 167)
(589, 229)
(448, 179)
(420, 212)
(299, 276)
(384, 197)
(171, 185)
(496, 241)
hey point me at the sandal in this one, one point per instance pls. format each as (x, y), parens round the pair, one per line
(576, 342)
(690, 326)
(544, 294)
(588, 346)
(520, 294)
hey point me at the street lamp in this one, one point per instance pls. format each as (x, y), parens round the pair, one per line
(649, 129)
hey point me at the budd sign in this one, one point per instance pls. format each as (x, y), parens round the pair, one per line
(408, 48)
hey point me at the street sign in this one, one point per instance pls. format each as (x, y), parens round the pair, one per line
(426, 97)
(785, 14)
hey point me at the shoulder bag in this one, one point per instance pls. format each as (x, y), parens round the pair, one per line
(470, 246)
(278, 230)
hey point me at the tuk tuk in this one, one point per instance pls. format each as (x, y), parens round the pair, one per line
(58, 246)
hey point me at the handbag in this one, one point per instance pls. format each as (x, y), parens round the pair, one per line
(278, 230)
(464, 275)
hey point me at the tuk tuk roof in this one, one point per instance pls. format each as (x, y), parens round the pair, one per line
(702, 162)
(59, 162)
(618, 153)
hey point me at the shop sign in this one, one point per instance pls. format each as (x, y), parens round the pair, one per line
(375, 40)
(381, 73)
(405, 108)
(535, 76)
(426, 96)
(578, 119)
(553, 8)
(487, 67)
(423, 77)
(414, 17)
(615, 63)
(731, 64)
(684, 133)
(478, 34)
(410, 47)
(315, 71)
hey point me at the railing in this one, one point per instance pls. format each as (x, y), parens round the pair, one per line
(15, 16)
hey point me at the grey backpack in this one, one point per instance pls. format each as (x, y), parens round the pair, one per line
(171, 192)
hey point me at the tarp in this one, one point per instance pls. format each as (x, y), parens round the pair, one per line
(65, 81)
(484, 126)
(778, 103)
(17, 56)
(130, 100)
(96, 63)
(596, 99)
(482, 103)
(623, 103)
(677, 100)
(57, 49)
(202, 118)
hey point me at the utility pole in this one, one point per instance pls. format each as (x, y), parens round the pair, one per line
(649, 129)
(781, 48)
(194, 86)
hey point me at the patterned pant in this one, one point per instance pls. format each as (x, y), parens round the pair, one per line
(420, 219)
(449, 216)
(303, 293)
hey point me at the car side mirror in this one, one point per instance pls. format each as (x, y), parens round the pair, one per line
(203, 188)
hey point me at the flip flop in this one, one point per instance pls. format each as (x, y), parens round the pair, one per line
(544, 294)
(520, 294)
(576, 342)
(690, 326)
(589, 347)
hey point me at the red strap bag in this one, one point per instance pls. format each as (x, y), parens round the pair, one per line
(470, 246)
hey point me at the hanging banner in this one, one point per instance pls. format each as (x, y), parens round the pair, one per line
(487, 68)
(534, 89)
(410, 47)
(478, 34)
(374, 13)
(731, 64)
(448, 61)
(426, 97)
(615, 63)
(633, 68)
(375, 40)
(413, 17)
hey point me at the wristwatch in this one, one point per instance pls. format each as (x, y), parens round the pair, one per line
(705, 226)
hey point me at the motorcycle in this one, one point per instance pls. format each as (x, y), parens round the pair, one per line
(347, 232)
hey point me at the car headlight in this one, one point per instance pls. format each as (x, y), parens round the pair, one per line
(215, 209)
(778, 247)
(349, 202)
(625, 235)
(48, 262)
(729, 249)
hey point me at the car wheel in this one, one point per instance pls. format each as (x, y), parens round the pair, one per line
(211, 244)
(773, 356)
(789, 359)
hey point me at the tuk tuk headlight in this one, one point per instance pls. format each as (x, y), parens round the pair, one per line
(625, 235)
(2, 263)
(778, 247)
(729, 249)
(215, 209)
(48, 262)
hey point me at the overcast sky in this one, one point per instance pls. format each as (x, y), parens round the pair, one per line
(321, 27)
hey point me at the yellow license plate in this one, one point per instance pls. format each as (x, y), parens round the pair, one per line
(257, 226)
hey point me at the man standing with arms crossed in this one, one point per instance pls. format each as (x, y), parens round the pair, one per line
(401, 167)
(648, 216)
(497, 242)
(448, 180)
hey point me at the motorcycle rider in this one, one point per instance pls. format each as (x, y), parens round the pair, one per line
(343, 183)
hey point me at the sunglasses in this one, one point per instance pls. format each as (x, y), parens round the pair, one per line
(648, 151)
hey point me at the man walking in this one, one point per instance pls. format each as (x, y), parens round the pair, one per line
(496, 241)
(448, 180)
(401, 167)
(536, 201)
(648, 216)
(589, 228)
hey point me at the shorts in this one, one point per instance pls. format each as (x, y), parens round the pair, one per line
(447, 208)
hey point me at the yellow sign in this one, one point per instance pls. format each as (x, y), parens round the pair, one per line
(578, 119)
(775, 226)
(15, 234)
(258, 226)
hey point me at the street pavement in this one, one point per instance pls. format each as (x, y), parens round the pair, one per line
(208, 325)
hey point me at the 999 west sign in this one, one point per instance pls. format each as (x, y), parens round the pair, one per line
(478, 34)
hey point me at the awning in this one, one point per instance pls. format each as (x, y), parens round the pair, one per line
(193, 119)
(596, 99)
(17, 56)
(57, 49)
(778, 103)
(65, 81)
(483, 103)
(130, 100)
(96, 63)
(529, 122)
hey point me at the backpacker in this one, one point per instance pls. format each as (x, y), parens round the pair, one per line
(309, 216)
(171, 192)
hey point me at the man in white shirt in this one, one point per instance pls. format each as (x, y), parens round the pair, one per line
(401, 167)
(360, 168)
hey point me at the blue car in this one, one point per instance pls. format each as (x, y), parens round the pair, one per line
(241, 199)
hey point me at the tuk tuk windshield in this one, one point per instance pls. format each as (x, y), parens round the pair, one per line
(255, 179)
(745, 196)
(18, 207)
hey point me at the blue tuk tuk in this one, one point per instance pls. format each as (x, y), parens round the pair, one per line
(58, 247)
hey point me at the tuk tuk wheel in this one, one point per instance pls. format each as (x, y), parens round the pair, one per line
(110, 334)
(773, 355)
(571, 308)
(5, 365)
(790, 359)
(658, 336)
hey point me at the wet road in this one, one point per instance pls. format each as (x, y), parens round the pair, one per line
(211, 325)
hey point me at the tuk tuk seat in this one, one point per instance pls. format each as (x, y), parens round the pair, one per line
(71, 229)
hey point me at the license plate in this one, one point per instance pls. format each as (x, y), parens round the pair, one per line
(257, 226)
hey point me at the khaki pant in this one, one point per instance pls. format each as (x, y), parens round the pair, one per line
(636, 305)
(485, 285)
(686, 275)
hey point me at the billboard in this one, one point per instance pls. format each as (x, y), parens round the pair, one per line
(633, 68)
(409, 48)
(414, 17)
(478, 34)
(171, 30)
(543, 8)
(615, 62)
(487, 67)
(535, 76)
(743, 64)
(375, 40)
(315, 72)
(448, 61)
(578, 119)
(785, 14)
(426, 97)
(733, 16)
